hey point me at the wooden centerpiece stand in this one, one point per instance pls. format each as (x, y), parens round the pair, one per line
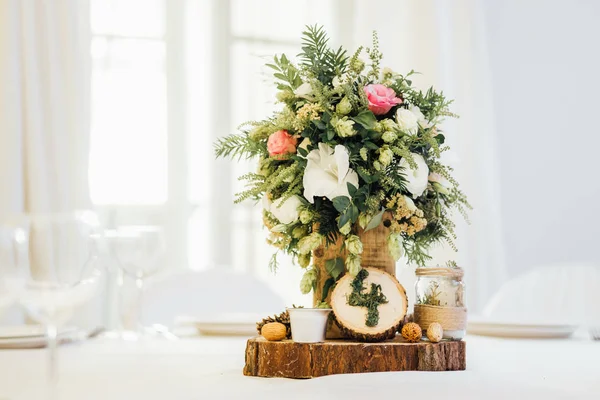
(337, 355)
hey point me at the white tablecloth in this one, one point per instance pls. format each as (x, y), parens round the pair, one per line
(211, 368)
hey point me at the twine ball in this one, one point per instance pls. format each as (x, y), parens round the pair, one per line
(435, 332)
(274, 331)
(411, 332)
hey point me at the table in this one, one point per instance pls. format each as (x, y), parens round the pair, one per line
(211, 368)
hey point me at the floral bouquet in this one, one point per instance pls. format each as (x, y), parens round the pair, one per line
(353, 147)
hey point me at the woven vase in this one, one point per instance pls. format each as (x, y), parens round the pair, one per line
(375, 254)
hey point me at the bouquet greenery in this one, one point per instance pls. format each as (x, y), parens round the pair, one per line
(352, 142)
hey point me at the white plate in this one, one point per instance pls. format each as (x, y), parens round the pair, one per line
(33, 336)
(21, 331)
(226, 324)
(488, 327)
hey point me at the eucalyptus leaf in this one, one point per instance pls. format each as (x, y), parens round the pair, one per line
(375, 221)
(351, 189)
(302, 152)
(353, 213)
(344, 218)
(370, 145)
(334, 267)
(341, 203)
(326, 287)
(366, 118)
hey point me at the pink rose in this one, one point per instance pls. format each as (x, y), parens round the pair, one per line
(381, 98)
(281, 142)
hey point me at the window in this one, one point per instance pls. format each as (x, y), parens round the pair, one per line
(169, 80)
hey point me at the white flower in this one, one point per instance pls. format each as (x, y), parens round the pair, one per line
(304, 91)
(286, 212)
(407, 121)
(420, 117)
(416, 179)
(410, 204)
(266, 203)
(340, 80)
(328, 172)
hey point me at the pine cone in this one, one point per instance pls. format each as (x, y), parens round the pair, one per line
(283, 318)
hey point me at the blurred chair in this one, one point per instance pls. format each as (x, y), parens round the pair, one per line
(564, 294)
(13, 315)
(206, 295)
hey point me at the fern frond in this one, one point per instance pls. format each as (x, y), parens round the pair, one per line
(239, 145)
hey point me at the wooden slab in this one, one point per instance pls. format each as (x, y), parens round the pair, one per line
(288, 359)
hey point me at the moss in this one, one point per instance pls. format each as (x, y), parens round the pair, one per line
(370, 300)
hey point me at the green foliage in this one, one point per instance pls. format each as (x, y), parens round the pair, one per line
(319, 60)
(335, 111)
(334, 267)
(238, 146)
(286, 73)
(371, 300)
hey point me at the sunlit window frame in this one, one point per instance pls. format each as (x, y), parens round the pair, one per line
(175, 214)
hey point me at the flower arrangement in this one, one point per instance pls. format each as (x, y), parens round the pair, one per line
(351, 143)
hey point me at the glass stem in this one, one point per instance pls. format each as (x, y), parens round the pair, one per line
(139, 283)
(52, 338)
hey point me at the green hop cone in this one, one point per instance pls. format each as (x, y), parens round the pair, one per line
(285, 96)
(353, 264)
(344, 107)
(344, 127)
(363, 220)
(309, 243)
(300, 231)
(385, 156)
(388, 125)
(354, 245)
(389, 137)
(304, 260)
(364, 153)
(306, 216)
(308, 281)
(394, 242)
(357, 65)
(344, 230)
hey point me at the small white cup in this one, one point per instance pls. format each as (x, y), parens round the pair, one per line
(308, 324)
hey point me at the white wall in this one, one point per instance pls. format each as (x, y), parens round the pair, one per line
(546, 80)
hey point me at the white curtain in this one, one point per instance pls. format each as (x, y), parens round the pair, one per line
(445, 41)
(44, 105)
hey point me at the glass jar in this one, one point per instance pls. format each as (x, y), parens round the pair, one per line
(440, 297)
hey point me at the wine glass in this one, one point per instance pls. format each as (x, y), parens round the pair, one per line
(62, 270)
(139, 252)
(13, 257)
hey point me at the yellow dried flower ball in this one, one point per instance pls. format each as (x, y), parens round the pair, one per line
(435, 332)
(411, 332)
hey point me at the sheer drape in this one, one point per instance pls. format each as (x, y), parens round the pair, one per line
(44, 105)
(44, 109)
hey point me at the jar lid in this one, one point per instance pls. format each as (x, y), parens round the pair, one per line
(450, 272)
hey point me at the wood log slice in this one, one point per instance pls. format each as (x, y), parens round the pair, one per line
(308, 360)
(352, 320)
